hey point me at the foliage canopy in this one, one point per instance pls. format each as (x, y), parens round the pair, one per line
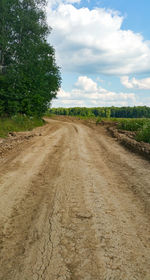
(29, 76)
(105, 112)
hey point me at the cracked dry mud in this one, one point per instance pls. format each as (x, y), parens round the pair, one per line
(74, 205)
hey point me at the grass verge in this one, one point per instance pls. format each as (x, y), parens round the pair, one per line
(144, 133)
(140, 126)
(18, 123)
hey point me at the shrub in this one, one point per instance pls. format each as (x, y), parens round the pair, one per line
(132, 124)
(144, 134)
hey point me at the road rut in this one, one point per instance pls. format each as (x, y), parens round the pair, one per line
(74, 205)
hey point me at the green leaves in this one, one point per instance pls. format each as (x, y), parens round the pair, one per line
(109, 112)
(32, 77)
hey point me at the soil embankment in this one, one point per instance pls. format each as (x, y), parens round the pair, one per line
(74, 205)
(127, 139)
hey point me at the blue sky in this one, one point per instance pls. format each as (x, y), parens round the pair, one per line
(136, 12)
(103, 50)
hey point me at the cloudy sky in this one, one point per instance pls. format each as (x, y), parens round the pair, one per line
(103, 50)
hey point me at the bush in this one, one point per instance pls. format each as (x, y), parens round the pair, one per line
(144, 134)
(132, 124)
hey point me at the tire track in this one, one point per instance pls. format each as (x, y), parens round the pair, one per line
(75, 216)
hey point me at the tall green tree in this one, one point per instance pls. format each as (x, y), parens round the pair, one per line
(29, 76)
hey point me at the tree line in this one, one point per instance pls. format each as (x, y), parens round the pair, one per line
(29, 76)
(104, 112)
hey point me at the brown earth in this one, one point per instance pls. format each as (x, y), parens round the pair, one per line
(74, 205)
(127, 138)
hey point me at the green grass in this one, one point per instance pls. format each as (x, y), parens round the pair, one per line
(49, 115)
(144, 133)
(132, 124)
(18, 123)
(140, 126)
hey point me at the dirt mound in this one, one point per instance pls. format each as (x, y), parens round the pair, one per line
(13, 140)
(127, 139)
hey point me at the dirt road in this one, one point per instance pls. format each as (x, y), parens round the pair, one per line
(74, 205)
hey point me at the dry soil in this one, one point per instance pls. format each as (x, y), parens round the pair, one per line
(74, 205)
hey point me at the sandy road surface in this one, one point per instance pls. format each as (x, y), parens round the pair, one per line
(74, 205)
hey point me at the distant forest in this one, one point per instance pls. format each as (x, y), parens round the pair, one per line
(104, 112)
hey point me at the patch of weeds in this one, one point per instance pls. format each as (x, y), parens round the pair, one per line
(18, 123)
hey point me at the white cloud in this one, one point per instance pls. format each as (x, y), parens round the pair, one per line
(134, 83)
(54, 3)
(88, 93)
(63, 94)
(72, 1)
(93, 41)
(70, 103)
(87, 84)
